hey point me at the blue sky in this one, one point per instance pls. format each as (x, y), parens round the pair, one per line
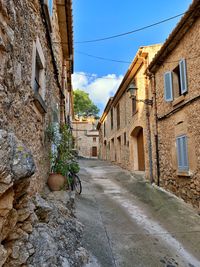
(101, 18)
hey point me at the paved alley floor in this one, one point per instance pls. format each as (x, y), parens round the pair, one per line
(129, 223)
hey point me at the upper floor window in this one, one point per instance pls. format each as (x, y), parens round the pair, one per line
(104, 129)
(134, 105)
(111, 118)
(182, 153)
(175, 82)
(118, 116)
(94, 139)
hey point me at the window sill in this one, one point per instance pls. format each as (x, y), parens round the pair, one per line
(178, 100)
(39, 103)
(183, 173)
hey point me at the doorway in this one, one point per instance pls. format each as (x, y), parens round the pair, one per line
(94, 151)
(137, 149)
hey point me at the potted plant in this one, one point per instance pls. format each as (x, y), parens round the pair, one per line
(60, 156)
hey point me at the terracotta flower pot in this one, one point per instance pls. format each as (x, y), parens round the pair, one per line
(56, 181)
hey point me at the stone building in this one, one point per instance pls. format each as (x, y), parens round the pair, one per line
(175, 85)
(36, 55)
(124, 126)
(86, 137)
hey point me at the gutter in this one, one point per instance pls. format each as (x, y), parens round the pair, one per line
(70, 47)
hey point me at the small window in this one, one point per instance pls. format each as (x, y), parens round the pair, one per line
(134, 106)
(104, 129)
(38, 80)
(182, 153)
(38, 74)
(94, 139)
(125, 138)
(111, 118)
(118, 116)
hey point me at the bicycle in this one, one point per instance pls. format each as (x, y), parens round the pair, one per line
(74, 182)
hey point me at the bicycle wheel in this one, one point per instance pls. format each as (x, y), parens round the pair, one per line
(77, 184)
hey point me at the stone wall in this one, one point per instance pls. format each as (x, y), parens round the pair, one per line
(85, 137)
(123, 150)
(20, 25)
(23, 117)
(185, 120)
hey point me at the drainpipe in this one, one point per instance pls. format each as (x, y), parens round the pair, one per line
(148, 128)
(156, 130)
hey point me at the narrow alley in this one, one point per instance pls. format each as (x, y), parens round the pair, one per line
(130, 223)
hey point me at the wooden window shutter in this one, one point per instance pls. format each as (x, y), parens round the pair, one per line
(183, 76)
(182, 153)
(168, 86)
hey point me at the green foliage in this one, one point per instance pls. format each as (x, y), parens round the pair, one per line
(83, 105)
(61, 154)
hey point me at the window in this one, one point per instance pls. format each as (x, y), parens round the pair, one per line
(175, 82)
(182, 153)
(134, 106)
(94, 139)
(38, 76)
(118, 116)
(111, 118)
(104, 129)
(125, 138)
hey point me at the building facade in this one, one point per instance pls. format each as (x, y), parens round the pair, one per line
(86, 138)
(124, 126)
(36, 55)
(175, 83)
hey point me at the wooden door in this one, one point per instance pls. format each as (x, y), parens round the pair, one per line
(140, 144)
(94, 151)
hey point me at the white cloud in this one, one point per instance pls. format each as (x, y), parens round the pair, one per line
(99, 89)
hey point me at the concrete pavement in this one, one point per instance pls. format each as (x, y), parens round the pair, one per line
(129, 223)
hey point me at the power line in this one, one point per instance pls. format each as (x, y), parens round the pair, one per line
(102, 58)
(130, 32)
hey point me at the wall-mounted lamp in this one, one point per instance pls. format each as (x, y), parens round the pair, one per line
(132, 89)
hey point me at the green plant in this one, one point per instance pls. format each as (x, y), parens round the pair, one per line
(61, 155)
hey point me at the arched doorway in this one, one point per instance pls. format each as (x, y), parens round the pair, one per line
(138, 149)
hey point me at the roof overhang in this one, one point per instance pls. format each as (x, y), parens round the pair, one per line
(177, 34)
(134, 67)
(64, 12)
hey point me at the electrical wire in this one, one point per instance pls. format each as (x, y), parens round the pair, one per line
(110, 78)
(131, 32)
(102, 58)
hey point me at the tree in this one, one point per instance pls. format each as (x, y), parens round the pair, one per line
(83, 105)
